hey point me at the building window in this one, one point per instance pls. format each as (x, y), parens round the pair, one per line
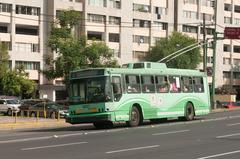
(26, 47)
(140, 39)
(114, 37)
(236, 75)
(141, 8)
(226, 61)
(140, 55)
(236, 49)
(160, 10)
(227, 7)
(115, 4)
(26, 30)
(208, 17)
(226, 48)
(236, 62)
(4, 7)
(141, 23)
(114, 20)
(99, 3)
(190, 1)
(159, 26)
(190, 14)
(28, 10)
(96, 18)
(226, 74)
(236, 21)
(3, 28)
(227, 20)
(116, 53)
(190, 29)
(207, 3)
(237, 9)
(94, 35)
(28, 65)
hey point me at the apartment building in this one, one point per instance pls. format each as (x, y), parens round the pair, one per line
(129, 28)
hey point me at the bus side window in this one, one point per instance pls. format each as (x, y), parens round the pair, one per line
(198, 84)
(148, 84)
(132, 83)
(162, 84)
(186, 83)
(116, 87)
(174, 84)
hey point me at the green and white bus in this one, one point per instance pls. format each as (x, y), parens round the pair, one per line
(137, 92)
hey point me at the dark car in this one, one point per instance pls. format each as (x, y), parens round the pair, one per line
(52, 110)
(26, 103)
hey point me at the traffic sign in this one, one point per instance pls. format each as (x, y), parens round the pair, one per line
(232, 33)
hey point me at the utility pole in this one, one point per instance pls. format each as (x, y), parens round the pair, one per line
(214, 55)
(204, 46)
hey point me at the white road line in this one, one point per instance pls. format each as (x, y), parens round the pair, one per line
(171, 132)
(132, 149)
(233, 124)
(52, 146)
(230, 135)
(26, 139)
(219, 155)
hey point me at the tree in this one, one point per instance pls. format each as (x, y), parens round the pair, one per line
(73, 52)
(4, 57)
(16, 83)
(169, 45)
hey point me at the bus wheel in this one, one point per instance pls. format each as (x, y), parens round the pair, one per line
(189, 112)
(135, 118)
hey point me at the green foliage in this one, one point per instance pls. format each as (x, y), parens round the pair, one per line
(15, 83)
(169, 45)
(73, 52)
(4, 57)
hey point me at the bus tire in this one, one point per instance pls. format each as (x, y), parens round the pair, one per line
(135, 117)
(189, 112)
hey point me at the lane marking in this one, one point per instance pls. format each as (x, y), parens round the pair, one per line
(219, 155)
(233, 124)
(230, 135)
(171, 132)
(26, 139)
(133, 149)
(53, 146)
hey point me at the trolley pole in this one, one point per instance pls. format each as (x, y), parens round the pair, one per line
(214, 56)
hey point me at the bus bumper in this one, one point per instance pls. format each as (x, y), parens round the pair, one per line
(88, 119)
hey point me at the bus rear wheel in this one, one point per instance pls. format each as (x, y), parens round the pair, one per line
(135, 117)
(189, 112)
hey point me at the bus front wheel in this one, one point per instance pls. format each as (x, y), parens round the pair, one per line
(135, 117)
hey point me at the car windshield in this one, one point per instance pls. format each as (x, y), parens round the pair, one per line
(12, 101)
(91, 90)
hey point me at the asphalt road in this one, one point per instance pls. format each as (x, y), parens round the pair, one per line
(216, 136)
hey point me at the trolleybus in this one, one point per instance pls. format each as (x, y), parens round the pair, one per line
(137, 92)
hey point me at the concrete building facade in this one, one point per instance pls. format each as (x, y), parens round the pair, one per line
(129, 28)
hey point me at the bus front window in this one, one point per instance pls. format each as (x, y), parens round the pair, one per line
(90, 90)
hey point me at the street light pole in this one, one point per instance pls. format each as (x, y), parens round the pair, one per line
(214, 54)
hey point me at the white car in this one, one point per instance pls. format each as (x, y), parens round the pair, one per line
(9, 106)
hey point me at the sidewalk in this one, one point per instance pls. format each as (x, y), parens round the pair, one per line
(10, 123)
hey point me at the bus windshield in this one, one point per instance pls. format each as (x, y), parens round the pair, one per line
(91, 90)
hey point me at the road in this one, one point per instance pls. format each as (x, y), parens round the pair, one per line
(215, 136)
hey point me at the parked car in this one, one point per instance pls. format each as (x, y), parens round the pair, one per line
(230, 105)
(26, 103)
(52, 110)
(9, 106)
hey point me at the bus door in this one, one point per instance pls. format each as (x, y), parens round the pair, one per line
(117, 88)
